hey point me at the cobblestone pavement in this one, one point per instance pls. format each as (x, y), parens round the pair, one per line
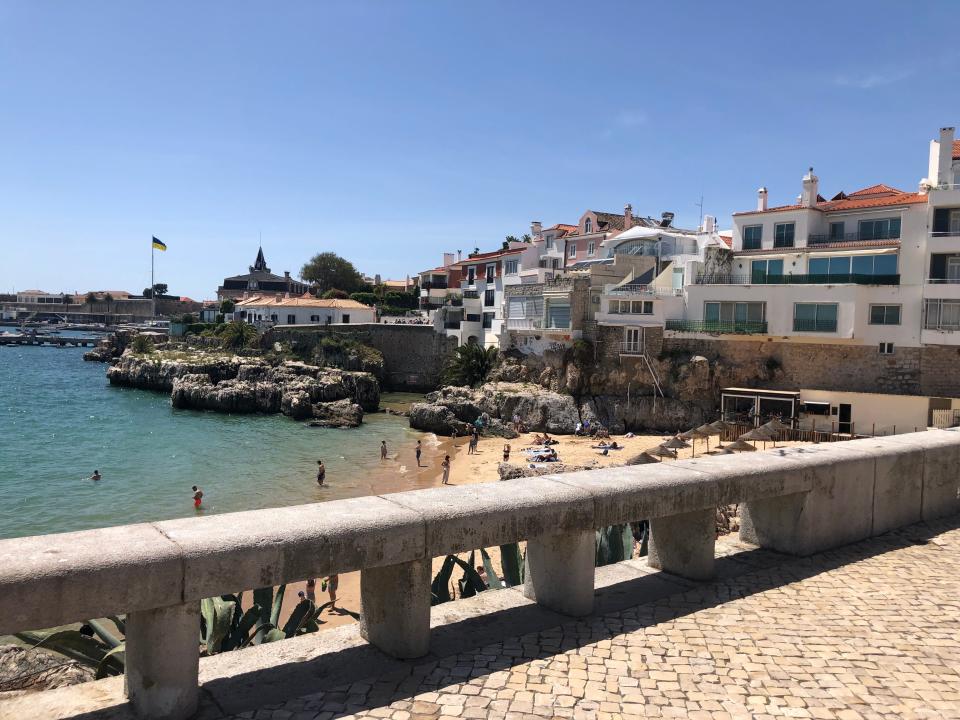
(868, 631)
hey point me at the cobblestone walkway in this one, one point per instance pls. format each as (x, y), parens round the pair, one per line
(869, 631)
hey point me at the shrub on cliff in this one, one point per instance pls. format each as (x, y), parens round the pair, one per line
(238, 334)
(470, 365)
(141, 345)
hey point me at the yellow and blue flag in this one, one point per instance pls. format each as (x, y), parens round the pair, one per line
(159, 245)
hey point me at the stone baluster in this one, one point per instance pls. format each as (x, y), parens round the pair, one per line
(395, 608)
(684, 544)
(560, 572)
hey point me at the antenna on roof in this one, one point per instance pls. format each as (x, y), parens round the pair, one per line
(700, 205)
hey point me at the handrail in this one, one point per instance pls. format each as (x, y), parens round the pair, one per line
(735, 327)
(798, 279)
(157, 572)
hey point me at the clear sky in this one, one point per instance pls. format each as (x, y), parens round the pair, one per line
(389, 132)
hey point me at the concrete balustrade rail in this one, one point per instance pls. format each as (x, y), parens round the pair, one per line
(798, 500)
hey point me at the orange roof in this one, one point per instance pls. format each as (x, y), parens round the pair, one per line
(488, 256)
(874, 196)
(956, 149)
(562, 226)
(727, 239)
(876, 190)
(303, 301)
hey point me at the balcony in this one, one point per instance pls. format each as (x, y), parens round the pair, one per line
(737, 327)
(799, 279)
(826, 326)
(471, 295)
(451, 325)
(524, 323)
(631, 348)
(849, 237)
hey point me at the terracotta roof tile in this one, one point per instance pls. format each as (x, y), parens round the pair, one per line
(303, 301)
(879, 189)
(956, 149)
(862, 199)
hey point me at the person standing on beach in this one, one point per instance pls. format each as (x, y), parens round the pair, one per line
(197, 497)
(312, 590)
(331, 584)
(383, 449)
(446, 469)
(506, 452)
(418, 451)
(321, 472)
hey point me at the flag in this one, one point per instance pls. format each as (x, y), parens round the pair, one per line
(159, 245)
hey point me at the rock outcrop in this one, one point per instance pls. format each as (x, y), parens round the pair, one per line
(335, 398)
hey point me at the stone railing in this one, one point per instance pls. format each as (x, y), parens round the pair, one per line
(798, 500)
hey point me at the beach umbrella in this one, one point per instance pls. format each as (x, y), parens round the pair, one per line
(776, 424)
(705, 431)
(644, 458)
(692, 435)
(721, 427)
(762, 434)
(675, 443)
(740, 445)
(661, 452)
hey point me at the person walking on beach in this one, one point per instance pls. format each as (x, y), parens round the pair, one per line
(383, 449)
(506, 452)
(418, 451)
(197, 497)
(312, 590)
(321, 472)
(446, 469)
(472, 447)
(96, 476)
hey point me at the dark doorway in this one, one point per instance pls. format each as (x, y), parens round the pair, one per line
(843, 419)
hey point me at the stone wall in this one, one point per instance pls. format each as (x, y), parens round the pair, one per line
(413, 355)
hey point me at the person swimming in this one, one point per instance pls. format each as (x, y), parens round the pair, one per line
(197, 497)
(96, 475)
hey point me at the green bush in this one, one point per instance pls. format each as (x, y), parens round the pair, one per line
(367, 298)
(238, 334)
(334, 294)
(141, 345)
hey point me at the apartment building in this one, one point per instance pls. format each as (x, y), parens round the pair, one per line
(874, 266)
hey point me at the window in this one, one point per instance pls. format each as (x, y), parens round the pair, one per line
(886, 229)
(488, 297)
(783, 235)
(884, 314)
(846, 269)
(291, 319)
(836, 231)
(886, 348)
(942, 315)
(314, 318)
(734, 312)
(815, 408)
(752, 235)
(587, 226)
(572, 250)
(473, 317)
(471, 275)
(558, 315)
(510, 267)
(346, 319)
(274, 317)
(591, 247)
(815, 317)
(491, 272)
(549, 242)
(766, 271)
(488, 320)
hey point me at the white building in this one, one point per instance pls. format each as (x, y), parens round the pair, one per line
(269, 310)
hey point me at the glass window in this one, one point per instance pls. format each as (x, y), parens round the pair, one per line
(818, 266)
(884, 314)
(752, 235)
(491, 273)
(488, 320)
(836, 231)
(783, 235)
(572, 250)
(734, 312)
(591, 247)
(839, 266)
(488, 296)
(711, 312)
(766, 271)
(471, 275)
(549, 242)
(588, 226)
(886, 229)
(885, 264)
(862, 265)
(815, 317)
(511, 266)
(942, 315)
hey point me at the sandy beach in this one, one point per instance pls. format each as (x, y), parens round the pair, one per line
(479, 468)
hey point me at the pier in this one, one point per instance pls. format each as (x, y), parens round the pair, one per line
(49, 340)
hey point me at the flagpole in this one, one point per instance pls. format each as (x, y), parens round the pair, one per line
(153, 292)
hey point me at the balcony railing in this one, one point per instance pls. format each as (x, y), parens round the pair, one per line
(524, 323)
(798, 279)
(849, 237)
(451, 325)
(631, 348)
(814, 325)
(941, 326)
(471, 295)
(455, 301)
(943, 281)
(737, 327)
(945, 233)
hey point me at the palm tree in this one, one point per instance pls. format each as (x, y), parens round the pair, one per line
(91, 299)
(108, 298)
(469, 365)
(238, 334)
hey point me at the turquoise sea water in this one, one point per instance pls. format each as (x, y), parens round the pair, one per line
(60, 420)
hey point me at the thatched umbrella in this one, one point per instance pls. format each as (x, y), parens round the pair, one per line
(644, 458)
(692, 435)
(705, 431)
(777, 425)
(675, 443)
(740, 445)
(721, 427)
(661, 452)
(762, 434)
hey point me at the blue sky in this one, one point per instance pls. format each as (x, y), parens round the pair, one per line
(389, 132)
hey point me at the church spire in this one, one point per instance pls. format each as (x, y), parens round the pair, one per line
(260, 265)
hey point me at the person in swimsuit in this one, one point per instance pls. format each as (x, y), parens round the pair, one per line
(506, 452)
(321, 472)
(333, 582)
(312, 590)
(197, 497)
(446, 469)
(418, 451)
(96, 475)
(383, 449)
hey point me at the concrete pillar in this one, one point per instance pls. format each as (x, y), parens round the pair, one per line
(559, 572)
(684, 544)
(395, 608)
(162, 661)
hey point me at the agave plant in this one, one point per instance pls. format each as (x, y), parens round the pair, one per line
(614, 544)
(103, 651)
(470, 584)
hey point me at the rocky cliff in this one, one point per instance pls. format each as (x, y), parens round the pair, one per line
(232, 384)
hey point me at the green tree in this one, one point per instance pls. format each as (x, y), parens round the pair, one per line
(68, 299)
(328, 270)
(238, 334)
(335, 294)
(510, 239)
(91, 299)
(141, 344)
(470, 365)
(159, 288)
(227, 305)
(108, 299)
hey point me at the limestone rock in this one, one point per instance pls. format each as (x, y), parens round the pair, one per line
(341, 413)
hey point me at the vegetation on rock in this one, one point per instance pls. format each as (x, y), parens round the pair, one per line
(470, 365)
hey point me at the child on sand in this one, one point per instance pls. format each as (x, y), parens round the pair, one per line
(197, 497)
(383, 449)
(446, 469)
(506, 452)
(418, 451)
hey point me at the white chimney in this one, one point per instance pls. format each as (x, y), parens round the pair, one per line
(709, 223)
(447, 259)
(536, 229)
(808, 198)
(941, 158)
(627, 216)
(762, 199)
